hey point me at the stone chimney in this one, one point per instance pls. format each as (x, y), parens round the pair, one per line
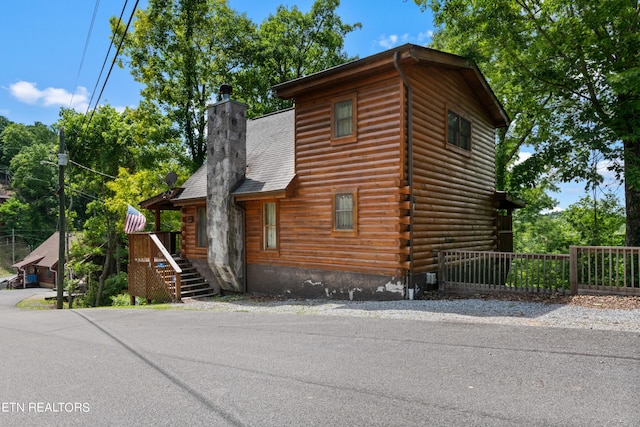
(226, 166)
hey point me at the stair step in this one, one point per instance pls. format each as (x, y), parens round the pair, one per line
(192, 284)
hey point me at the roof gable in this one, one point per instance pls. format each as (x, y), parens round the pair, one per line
(408, 53)
(45, 255)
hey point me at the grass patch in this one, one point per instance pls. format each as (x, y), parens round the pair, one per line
(39, 303)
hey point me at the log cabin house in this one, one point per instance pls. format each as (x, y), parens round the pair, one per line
(382, 162)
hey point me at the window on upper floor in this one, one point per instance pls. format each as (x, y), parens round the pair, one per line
(458, 131)
(343, 119)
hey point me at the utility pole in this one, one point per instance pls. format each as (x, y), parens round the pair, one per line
(62, 162)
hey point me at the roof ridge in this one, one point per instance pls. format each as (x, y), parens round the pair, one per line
(273, 113)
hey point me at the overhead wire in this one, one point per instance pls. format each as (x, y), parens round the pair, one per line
(84, 51)
(104, 63)
(115, 57)
(92, 170)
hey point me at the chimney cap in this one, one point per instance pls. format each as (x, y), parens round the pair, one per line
(225, 91)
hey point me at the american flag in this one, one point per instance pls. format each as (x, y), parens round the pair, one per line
(134, 220)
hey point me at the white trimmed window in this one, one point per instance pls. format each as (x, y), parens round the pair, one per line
(270, 225)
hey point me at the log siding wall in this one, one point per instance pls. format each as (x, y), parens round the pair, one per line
(189, 232)
(453, 189)
(372, 165)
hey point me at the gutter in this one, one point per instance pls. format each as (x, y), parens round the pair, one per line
(396, 63)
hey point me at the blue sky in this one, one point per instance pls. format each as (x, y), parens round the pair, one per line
(43, 43)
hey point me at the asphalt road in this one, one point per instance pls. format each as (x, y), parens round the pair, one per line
(173, 367)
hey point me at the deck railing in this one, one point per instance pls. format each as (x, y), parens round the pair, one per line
(606, 269)
(503, 271)
(153, 273)
(610, 270)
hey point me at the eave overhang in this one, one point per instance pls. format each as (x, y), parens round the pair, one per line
(407, 54)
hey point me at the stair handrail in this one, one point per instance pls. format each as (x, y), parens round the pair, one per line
(174, 265)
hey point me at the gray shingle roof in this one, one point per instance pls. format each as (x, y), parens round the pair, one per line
(196, 186)
(270, 158)
(270, 153)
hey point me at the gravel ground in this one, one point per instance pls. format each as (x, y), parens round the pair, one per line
(588, 312)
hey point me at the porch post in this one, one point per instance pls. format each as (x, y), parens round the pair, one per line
(573, 270)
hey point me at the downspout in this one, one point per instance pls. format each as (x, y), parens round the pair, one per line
(396, 63)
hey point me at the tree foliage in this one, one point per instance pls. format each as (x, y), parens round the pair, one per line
(105, 152)
(588, 222)
(33, 202)
(568, 73)
(291, 44)
(183, 50)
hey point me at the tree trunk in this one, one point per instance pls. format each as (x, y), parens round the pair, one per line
(632, 191)
(106, 266)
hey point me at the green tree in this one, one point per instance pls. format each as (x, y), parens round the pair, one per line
(16, 136)
(33, 202)
(110, 145)
(182, 51)
(588, 222)
(597, 221)
(292, 44)
(544, 234)
(575, 63)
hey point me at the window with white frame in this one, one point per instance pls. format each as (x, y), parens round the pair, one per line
(270, 225)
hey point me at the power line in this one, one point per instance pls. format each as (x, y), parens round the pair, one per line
(115, 57)
(104, 63)
(84, 51)
(92, 170)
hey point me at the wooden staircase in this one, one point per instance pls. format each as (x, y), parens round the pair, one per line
(192, 284)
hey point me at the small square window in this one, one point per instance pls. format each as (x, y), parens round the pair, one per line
(458, 131)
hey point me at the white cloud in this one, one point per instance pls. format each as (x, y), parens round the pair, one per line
(388, 42)
(29, 93)
(522, 156)
(393, 40)
(425, 37)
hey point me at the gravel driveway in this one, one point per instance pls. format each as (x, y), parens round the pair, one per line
(470, 310)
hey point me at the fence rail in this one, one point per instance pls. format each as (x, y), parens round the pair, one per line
(610, 269)
(587, 269)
